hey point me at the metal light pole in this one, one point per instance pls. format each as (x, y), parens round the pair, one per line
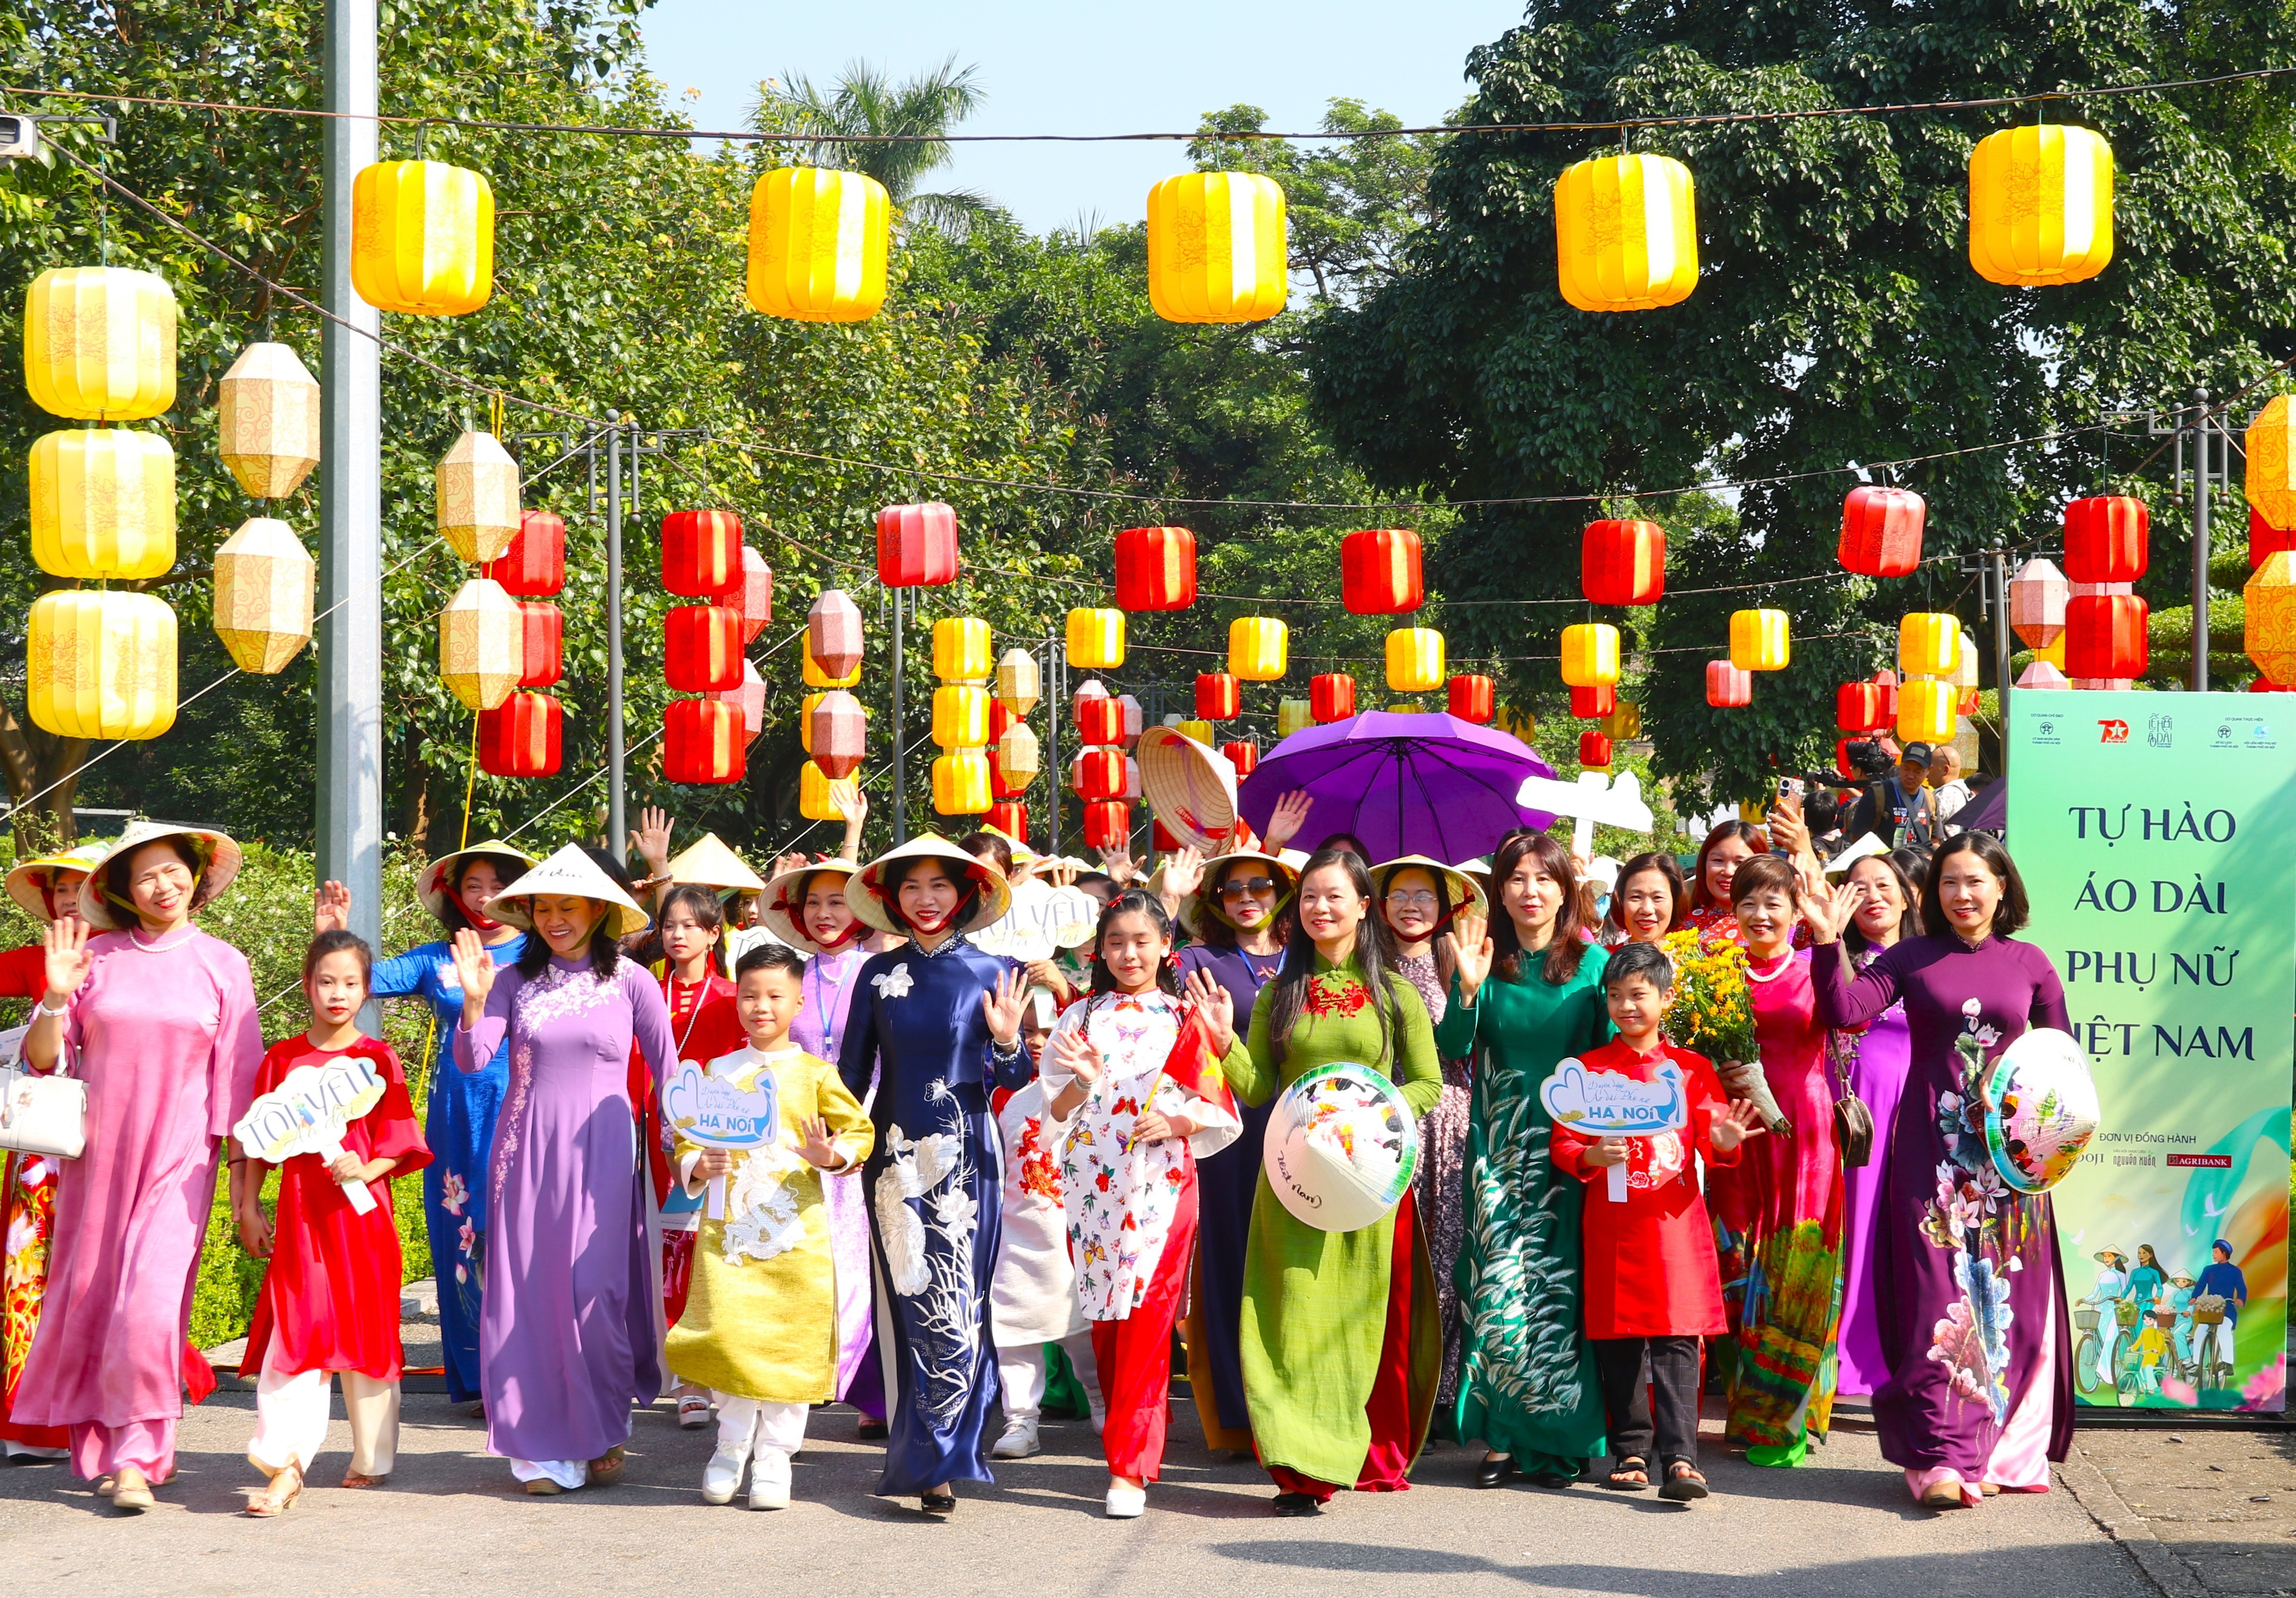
(900, 785)
(349, 687)
(2201, 452)
(1050, 678)
(617, 815)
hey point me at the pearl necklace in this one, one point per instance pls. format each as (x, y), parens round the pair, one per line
(1783, 965)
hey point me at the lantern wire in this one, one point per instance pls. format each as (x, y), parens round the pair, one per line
(1604, 125)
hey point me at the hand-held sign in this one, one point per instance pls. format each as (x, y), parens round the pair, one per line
(308, 1112)
(711, 1111)
(1603, 1104)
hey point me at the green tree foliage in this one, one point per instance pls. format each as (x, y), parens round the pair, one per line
(863, 102)
(1836, 320)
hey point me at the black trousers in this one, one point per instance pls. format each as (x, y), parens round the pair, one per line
(1673, 1378)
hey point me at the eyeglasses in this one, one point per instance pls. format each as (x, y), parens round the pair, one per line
(1414, 899)
(1237, 887)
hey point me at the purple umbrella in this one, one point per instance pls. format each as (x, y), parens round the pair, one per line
(1404, 783)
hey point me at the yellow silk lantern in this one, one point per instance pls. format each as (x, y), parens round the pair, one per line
(264, 583)
(960, 782)
(816, 678)
(477, 487)
(1020, 682)
(1929, 644)
(805, 719)
(268, 421)
(1415, 660)
(817, 794)
(104, 503)
(1624, 721)
(101, 664)
(2040, 206)
(1523, 724)
(1626, 233)
(1258, 648)
(1590, 655)
(1201, 732)
(100, 344)
(1215, 248)
(422, 238)
(960, 717)
(2271, 483)
(1926, 710)
(961, 648)
(1293, 715)
(1760, 640)
(1095, 639)
(819, 241)
(481, 644)
(2270, 601)
(1019, 756)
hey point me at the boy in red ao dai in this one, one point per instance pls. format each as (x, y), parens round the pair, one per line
(1652, 1281)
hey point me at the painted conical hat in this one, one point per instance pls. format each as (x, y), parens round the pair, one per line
(220, 860)
(1190, 786)
(867, 896)
(431, 882)
(709, 863)
(571, 871)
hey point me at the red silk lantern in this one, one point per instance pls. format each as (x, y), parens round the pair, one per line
(1155, 568)
(1107, 824)
(701, 648)
(1472, 699)
(546, 643)
(1098, 774)
(1009, 818)
(1593, 704)
(700, 553)
(1887, 682)
(2265, 540)
(1729, 686)
(837, 729)
(2106, 540)
(1331, 697)
(1000, 720)
(1218, 695)
(1100, 720)
(1841, 760)
(1881, 530)
(998, 788)
(1593, 749)
(1161, 836)
(1857, 707)
(521, 737)
(1622, 562)
(703, 742)
(534, 566)
(1244, 754)
(1379, 572)
(2105, 635)
(753, 596)
(916, 545)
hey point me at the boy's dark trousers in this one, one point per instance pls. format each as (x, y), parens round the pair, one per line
(1673, 1378)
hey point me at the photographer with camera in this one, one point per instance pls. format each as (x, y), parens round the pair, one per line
(1896, 804)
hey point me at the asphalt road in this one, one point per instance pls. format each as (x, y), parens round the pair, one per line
(451, 1521)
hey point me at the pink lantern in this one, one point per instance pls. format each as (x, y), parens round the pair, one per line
(751, 697)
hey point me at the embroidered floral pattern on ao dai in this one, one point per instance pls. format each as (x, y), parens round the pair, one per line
(1120, 1200)
(936, 1169)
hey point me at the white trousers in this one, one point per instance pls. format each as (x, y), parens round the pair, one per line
(1021, 1373)
(747, 1426)
(2215, 1341)
(290, 1419)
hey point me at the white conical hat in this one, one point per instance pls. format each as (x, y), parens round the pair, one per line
(709, 863)
(867, 896)
(26, 882)
(1190, 787)
(1460, 892)
(1192, 905)
(431, 882)
(571, 871)
(782, 908)
(220, 860)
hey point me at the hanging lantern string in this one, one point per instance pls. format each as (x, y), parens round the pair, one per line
(750, 135)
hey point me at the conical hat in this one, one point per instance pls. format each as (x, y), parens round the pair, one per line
(1190, 786)
(783, 910)
(220, 860)
(866, 894)
(1191, 905)
(26, 881)
(571, 871)
(431, 882)
(709, 863)
(1460, 891)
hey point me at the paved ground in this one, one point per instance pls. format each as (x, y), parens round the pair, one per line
(2201, 1511)
(451, 1522)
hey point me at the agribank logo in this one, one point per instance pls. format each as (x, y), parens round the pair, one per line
(2113, 732)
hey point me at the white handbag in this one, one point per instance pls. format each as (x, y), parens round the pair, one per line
(39, 1114)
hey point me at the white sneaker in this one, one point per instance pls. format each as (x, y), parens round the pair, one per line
(769, 1480)
(721, 1477)
(1099, 1418)
(1126, 1504)
(1018, 1441)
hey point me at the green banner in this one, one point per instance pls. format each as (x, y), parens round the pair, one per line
(2156, 833)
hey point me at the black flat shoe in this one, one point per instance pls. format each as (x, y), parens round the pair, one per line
(873, 1431)
(1295, 1505)
(937, 1503)
(1494, 1472)
(1549, 1478)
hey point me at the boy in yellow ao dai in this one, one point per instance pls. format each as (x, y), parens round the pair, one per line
(760, 1322)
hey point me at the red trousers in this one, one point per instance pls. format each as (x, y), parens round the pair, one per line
(1389, 1407)
(677, 1273)
(1134, 1355)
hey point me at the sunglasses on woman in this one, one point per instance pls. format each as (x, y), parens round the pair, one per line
(1237, 887)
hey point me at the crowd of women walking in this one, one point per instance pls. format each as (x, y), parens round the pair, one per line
(977, 1178)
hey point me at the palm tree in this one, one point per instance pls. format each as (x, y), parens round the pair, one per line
(912, 118)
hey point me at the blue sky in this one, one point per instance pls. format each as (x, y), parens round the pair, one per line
(1087, 68)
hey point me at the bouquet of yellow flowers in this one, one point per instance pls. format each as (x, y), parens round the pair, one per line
(1713, 1014)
